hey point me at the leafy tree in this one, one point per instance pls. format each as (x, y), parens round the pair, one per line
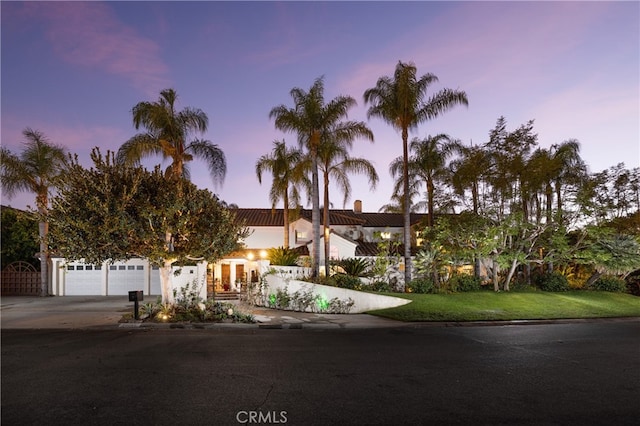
(469, 171)
(609, 253)
(167, 134)
(335, 163)
(287, 168)
(113, 212)
(36, 170)
(316, 122)
(402, 102)
(19, 236)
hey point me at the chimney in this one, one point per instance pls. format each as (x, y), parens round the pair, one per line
(357, 206)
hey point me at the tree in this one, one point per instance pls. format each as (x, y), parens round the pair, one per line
(287, 168)
(315, 123)
(335, 163)
(114, 212)
(36, 170)
(167, 134)
(469, 171)
(401, 101)
(19, 233)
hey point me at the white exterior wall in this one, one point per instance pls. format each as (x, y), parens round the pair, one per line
(265, 237)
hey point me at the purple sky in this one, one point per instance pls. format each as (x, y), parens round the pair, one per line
(74, 70)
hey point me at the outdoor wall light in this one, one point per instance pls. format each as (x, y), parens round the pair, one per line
(250, 255)
(263, 254)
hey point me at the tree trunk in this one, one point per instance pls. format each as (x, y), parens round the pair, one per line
(315, 211)
(512, 270)
(286, 219)
(43, 228)
(494, 271)
(430, 189)
(593, 278)
(325, 221)
(407, 210)
(165, 282)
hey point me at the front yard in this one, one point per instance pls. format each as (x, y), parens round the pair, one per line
(485, 305)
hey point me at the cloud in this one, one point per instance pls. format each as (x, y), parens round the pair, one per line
(90, 35)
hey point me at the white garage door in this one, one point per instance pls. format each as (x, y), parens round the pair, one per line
(82, 279)
(125, 277)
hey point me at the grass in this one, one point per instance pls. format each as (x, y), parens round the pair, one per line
(485, 306)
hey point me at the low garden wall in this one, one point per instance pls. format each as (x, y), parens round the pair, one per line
(363, 302)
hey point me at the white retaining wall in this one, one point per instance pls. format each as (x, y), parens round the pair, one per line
(363, 302)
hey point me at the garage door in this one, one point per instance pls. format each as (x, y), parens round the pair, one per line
(82, 280)
(125, 277)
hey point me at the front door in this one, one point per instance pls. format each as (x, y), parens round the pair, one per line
(226, 276)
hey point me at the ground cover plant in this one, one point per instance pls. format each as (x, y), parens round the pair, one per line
(528, 305)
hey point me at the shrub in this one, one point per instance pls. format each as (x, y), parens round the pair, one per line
(354, 266)
(552, 281)
(464, 283)
(347, 281)
(610, 283)
(283, 256)
(381, 286)
(421, 286)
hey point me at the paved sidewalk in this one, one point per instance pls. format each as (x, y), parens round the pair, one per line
(72, 312)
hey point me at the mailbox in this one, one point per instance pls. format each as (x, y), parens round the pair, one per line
(136, 296)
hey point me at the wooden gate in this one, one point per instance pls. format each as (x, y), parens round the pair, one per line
(20, 279)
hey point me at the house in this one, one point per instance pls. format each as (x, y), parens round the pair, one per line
(354, 233)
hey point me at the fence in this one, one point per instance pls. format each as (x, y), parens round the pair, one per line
(20, 279)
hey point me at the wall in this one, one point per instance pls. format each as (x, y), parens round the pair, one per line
(363, 301)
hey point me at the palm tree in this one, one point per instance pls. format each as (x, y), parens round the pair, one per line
(429, 163)
(287, 167)
(570, 168)
(401, 101)
(335, 163)
(167, 134)
(35, 170)
(316, 122)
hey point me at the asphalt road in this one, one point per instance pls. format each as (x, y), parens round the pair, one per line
(551, 374)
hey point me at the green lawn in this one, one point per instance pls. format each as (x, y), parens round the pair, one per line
(486, 305)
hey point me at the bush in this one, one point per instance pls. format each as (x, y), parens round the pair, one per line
(356, 267)
(421, 286)
(347, 281)
(283, 256)
(381, 286)
(464, 283)
(610, 283)
(552, 281)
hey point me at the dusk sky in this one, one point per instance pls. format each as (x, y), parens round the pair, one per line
(74, 70)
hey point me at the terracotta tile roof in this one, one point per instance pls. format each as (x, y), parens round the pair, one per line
(269, 217)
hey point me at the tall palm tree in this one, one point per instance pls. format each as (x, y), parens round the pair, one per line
(402, 102)
(287, 167)
(429, 163)
(167, 134)
(36, 170)
(315, 122)
(335, 164)
(570, 168)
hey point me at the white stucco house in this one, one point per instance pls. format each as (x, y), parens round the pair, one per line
(354, 233)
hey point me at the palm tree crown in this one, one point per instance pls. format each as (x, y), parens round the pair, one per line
(287, 167)
(167, 134)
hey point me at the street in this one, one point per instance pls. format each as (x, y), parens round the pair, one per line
(567, 374)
